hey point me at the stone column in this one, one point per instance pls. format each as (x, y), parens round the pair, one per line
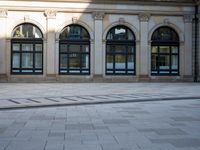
(51, 45)
(98, 43)
(3, 58)
(188, 46)
(144, 51)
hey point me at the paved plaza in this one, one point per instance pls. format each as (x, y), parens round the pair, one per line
(121, 116)
(15, 95)
(160, 125)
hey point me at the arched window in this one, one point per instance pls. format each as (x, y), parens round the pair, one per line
(165, 52)
(74, 50)
(27, 50)
(120, 51)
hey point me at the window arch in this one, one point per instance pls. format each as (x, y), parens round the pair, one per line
(74, 50)
(165, 52)
(120, 51)
(27, 50)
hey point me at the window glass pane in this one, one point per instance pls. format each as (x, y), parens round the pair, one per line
(119, 33)
(174, 62)
(109, 59)
(130, 61)
(74, 61)
(63, 61)
(110, 48)
(63, 48)
(74, 48)
(120, 62)
(120, 49)
(27, 60)
(164, 62)
(38, 47)
(27, 47)
(174, 49)
(154, 61)
(16, 60)
(38, 34)
(85, 61)
(16, 47)
(164, 49)
(154, 49)
(27, 31)
(130, 35)
(85, 48)
(131, 49)
(38, 60)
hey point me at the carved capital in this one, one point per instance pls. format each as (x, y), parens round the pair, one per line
(3, 13)
(98, 15)
(144, 17)
(50, 14)
(188, 18)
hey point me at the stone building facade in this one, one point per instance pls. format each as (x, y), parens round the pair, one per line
(96, 40)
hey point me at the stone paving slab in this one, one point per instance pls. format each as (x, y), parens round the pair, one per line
(15, 95)
(103, 127)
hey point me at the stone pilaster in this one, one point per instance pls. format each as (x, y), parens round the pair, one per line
(98, 43)
(188, 45)
(51, 49)
(3, 59)
(144, 51)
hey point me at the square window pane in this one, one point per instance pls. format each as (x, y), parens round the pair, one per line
(120, 61)
(131, 62)
(27, 47)
(27, 60)
(120, 49)
(63, 47)
(174, 62)
(110, 48)
(85, 61)
(74, 61)
(154, 49)
(131, 49)
(63, 61)
(174, 49)
(16, 47)
(74, 48)
(38, 47)
(85, 48)
(16, 60)
(109, 64)
(164, 62)
(164, 49)
(38, 60)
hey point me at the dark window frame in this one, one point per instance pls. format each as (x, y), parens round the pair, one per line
(20, 41)
(126, 43)
(158, 43)
(79, 42)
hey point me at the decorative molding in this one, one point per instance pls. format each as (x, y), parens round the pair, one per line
(121, 20)
(166, 21)
(98, 15)
(26, 17)
(188, 18)
(3, 13)
(74, 20)
(144, 17)
(50, 14)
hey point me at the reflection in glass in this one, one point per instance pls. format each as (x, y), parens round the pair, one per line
(174, 63)
(164, 62)
(16, 60)
(38, 60)
(27, 47)
(27, 60)
(120, 62)
(131, 62)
